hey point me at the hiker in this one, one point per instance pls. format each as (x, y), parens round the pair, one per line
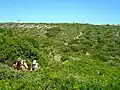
(20, 64)
(35, 65)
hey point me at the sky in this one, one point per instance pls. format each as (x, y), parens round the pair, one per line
(85, 11)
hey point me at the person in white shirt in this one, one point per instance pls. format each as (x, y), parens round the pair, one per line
(35, 65)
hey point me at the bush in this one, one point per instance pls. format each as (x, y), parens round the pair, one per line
(64, 58)
(52, 32)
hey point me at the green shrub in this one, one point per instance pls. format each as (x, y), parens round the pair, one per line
(53, 32)
(76, 69)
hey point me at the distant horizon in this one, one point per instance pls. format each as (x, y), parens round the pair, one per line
(53, 22)
(56, 23)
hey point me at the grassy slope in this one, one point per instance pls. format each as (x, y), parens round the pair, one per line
(74, 70)
(82, 73)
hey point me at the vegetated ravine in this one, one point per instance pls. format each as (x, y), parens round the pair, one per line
(71, 56)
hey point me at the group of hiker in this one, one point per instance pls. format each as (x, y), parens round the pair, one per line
(21, 64)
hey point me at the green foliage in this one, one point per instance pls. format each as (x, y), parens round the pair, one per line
(64, 58)
(90, 60)
(82, 73)
(52, 32)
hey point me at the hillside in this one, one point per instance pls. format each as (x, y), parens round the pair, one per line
(72, 56)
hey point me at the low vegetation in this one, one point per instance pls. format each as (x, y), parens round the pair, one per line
(71, 56)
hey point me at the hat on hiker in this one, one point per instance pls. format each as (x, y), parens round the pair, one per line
(34, 61)
(19, 59)
(24, 60)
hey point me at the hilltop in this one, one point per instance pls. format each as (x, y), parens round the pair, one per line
(72, 56)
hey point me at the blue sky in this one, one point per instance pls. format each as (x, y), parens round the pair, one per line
(89, 11)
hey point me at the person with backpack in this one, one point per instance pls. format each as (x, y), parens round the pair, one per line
(20, 64)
